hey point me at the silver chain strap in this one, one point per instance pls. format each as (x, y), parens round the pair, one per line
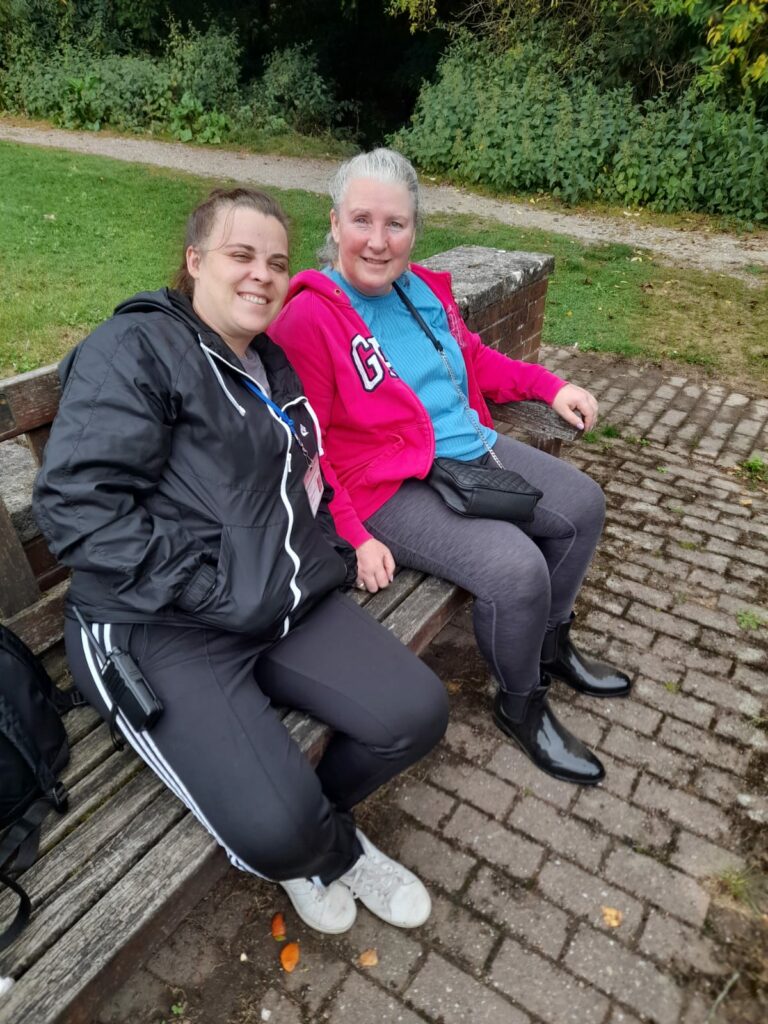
(441, 352)
(468, 408)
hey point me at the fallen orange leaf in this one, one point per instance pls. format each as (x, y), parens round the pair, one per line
(289, 956)
(368, 958)
(278, 928)
(611, 917)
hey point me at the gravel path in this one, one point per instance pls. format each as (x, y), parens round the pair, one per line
(721, 253)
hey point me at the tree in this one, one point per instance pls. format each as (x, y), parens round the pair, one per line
(733, 52)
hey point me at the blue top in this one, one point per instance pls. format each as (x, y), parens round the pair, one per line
(415, 360)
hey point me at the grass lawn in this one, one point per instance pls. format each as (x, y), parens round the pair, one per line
(79, 234)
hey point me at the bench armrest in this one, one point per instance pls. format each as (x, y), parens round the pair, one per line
(535, 418)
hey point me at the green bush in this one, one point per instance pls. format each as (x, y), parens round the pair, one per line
(511, 122)
(190, 90)
(77, 90)
(292, 93)
(190, 122)
(205, 65)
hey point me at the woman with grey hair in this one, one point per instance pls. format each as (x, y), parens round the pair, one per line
(397, 381)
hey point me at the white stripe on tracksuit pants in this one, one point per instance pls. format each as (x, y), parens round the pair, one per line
(221, 748)
(143, 743)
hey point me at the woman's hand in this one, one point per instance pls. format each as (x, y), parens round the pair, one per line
(577, 406)
(375, 566)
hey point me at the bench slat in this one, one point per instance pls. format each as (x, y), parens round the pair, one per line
(86, 796)
(80, 722)
(95, 879)
(86, 755)
(51, 879)
(422, 615)
(385, 601)
(42, 625)
(28, 400)
(151, 890)
(312, 736)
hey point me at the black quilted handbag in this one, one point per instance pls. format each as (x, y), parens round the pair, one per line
(484, 492)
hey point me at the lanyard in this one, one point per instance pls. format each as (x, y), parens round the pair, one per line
(283, 416)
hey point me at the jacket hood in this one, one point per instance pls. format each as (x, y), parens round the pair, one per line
(177, 305)
(166, 301)
(319, 283)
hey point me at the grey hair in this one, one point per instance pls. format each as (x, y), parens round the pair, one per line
(381, 164)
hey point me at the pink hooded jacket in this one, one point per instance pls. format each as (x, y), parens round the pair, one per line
(375, 430)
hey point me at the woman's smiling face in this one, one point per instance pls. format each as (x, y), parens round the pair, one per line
(374, 229)
(241, 274)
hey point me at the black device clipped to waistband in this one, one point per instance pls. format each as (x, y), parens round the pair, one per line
(131, 694)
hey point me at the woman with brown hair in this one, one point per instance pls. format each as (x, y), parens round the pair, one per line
(181, 484)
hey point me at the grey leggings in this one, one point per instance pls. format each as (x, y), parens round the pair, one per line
(524, 578)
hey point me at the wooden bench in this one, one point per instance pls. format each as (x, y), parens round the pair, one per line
(118, 872)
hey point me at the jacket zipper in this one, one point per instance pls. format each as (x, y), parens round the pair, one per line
(292, 554)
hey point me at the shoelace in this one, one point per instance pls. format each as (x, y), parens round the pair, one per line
(315, 892)
(371, 876)
(318, 894)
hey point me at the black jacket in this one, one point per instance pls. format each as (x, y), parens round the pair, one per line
(175, 493)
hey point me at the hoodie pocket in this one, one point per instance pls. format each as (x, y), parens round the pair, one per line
(380, 468)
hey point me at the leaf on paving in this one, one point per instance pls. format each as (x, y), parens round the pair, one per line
(611, 917)
(289, 956)
(368, 958)
(278, 928)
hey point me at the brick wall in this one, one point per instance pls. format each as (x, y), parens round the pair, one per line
(501, 295)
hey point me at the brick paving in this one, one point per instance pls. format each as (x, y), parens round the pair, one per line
(527, 873)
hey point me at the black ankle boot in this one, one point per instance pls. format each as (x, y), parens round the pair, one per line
(560, 658)
(544, 739)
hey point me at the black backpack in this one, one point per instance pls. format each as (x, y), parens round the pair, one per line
(33, 750)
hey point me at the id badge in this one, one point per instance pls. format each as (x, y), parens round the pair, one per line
(314, 485)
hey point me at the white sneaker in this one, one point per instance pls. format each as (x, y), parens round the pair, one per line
(326, 908)
(386, 888)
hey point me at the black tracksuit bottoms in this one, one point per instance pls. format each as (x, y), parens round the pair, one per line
(220, 746)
